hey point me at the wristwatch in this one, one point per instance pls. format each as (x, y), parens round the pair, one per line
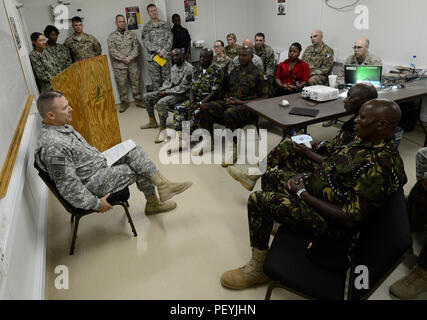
(301, 191)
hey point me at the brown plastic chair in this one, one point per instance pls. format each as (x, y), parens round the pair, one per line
(118, 198)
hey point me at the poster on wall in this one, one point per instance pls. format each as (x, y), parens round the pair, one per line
(15, 33)
(281, 10)
(133, 18)
(190, 7)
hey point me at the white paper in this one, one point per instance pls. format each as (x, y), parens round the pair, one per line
(304, 139)
(115, 153)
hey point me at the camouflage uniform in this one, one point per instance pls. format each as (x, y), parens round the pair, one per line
(45, 67)
(417, 200)
(177, 88)
(257, 61)
(122, 45)
(222, 62)
(320, 62)
(232, 52)
(61, 54)
(202, 85)
(85, 48)
(81, 173)
(266, 53)
(284, 157)
(243, 85)
(370, 60)
(359, 177)
(157, 37)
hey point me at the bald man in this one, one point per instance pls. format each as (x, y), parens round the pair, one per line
(320, 58)
(335, 199)
(256, 60)
(361, 56)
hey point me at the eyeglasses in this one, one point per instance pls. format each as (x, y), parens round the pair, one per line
(216, 47)
(358, 47)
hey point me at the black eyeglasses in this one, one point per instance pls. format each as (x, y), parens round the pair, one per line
(357, 47)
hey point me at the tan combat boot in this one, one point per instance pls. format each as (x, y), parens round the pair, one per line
(123, 106)
(161, 135)
(168, 189)
(139, 103)
(412, 285)
(152, 123)
(154, 206)
(248, 275)
(246, 180)
(230, 157)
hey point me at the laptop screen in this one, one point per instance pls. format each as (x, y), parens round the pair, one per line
(354, 74)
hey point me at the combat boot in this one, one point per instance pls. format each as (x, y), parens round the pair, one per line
(412, 285)
(230, 157)
(161, 135)
(248, 275)
(168, 189)
(123, 106)
(205, 143)
(139, 103)
(246, 180)
(154, 206)
(152, 123)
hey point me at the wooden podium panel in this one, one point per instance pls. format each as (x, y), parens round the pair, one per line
(87, 86)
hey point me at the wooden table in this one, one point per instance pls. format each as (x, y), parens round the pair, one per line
(271, 110)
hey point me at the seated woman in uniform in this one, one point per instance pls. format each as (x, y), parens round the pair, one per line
(232, 50)
(44, 64)
(292, 74)
(57, 50)
(220, 59)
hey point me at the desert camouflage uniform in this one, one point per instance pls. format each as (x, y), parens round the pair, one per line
(61, 54)
(45, 67)
(222, 62)
(176, 87)
(81, 173)
(257, 61)
(266, 53)
(157, 37)
(232, 52)
(243, 85)
(85, 48)
(320, 62)
(122, 45)
(359, 177)
(370, 60)
(202, 85)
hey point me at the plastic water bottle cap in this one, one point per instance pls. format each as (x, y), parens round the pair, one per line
(414, 56)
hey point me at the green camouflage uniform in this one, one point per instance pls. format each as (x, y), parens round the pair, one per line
(202, 85)
(359, 177)
(61, 54)
(45, 67)
(370, 60)
(222, 62)
(320, 62)
(177, 88)
(232, 52)
(122, 45)
(257, 61)
(266, 53)
(157, 37)
(243, 85)
(85, 48)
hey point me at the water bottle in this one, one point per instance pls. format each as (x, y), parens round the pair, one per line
(412, 66)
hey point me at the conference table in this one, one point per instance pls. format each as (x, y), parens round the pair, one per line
(271, 110)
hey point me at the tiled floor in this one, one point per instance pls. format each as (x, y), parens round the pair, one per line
(180, 254)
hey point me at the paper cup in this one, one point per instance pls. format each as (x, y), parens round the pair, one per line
(332, 80)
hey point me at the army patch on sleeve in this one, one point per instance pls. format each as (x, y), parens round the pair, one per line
(58, 167)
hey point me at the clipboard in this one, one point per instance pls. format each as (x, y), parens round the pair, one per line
(159, 60)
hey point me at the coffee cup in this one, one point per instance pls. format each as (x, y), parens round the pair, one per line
(332, 80)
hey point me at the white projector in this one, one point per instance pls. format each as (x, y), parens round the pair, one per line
(320, 93)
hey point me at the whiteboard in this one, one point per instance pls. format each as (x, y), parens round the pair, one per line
(13, 87)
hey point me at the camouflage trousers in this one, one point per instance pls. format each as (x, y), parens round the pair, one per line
(135, 166)
(284, 157)
(181, 114)
(153, 101)
(275, 204)
(318, 79)
(159, 74)
(130, 75)
(233, 117)
(417, 204)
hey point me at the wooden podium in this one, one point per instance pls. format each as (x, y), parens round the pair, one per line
(87, 86)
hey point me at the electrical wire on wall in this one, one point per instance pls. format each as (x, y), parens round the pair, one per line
(327, 2)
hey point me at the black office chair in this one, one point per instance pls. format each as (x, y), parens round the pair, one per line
(381, 246)
(118, 198)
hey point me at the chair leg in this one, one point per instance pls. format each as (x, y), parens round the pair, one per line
(275, 284)
(72, 218)
(73, 240)
(129, 218)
